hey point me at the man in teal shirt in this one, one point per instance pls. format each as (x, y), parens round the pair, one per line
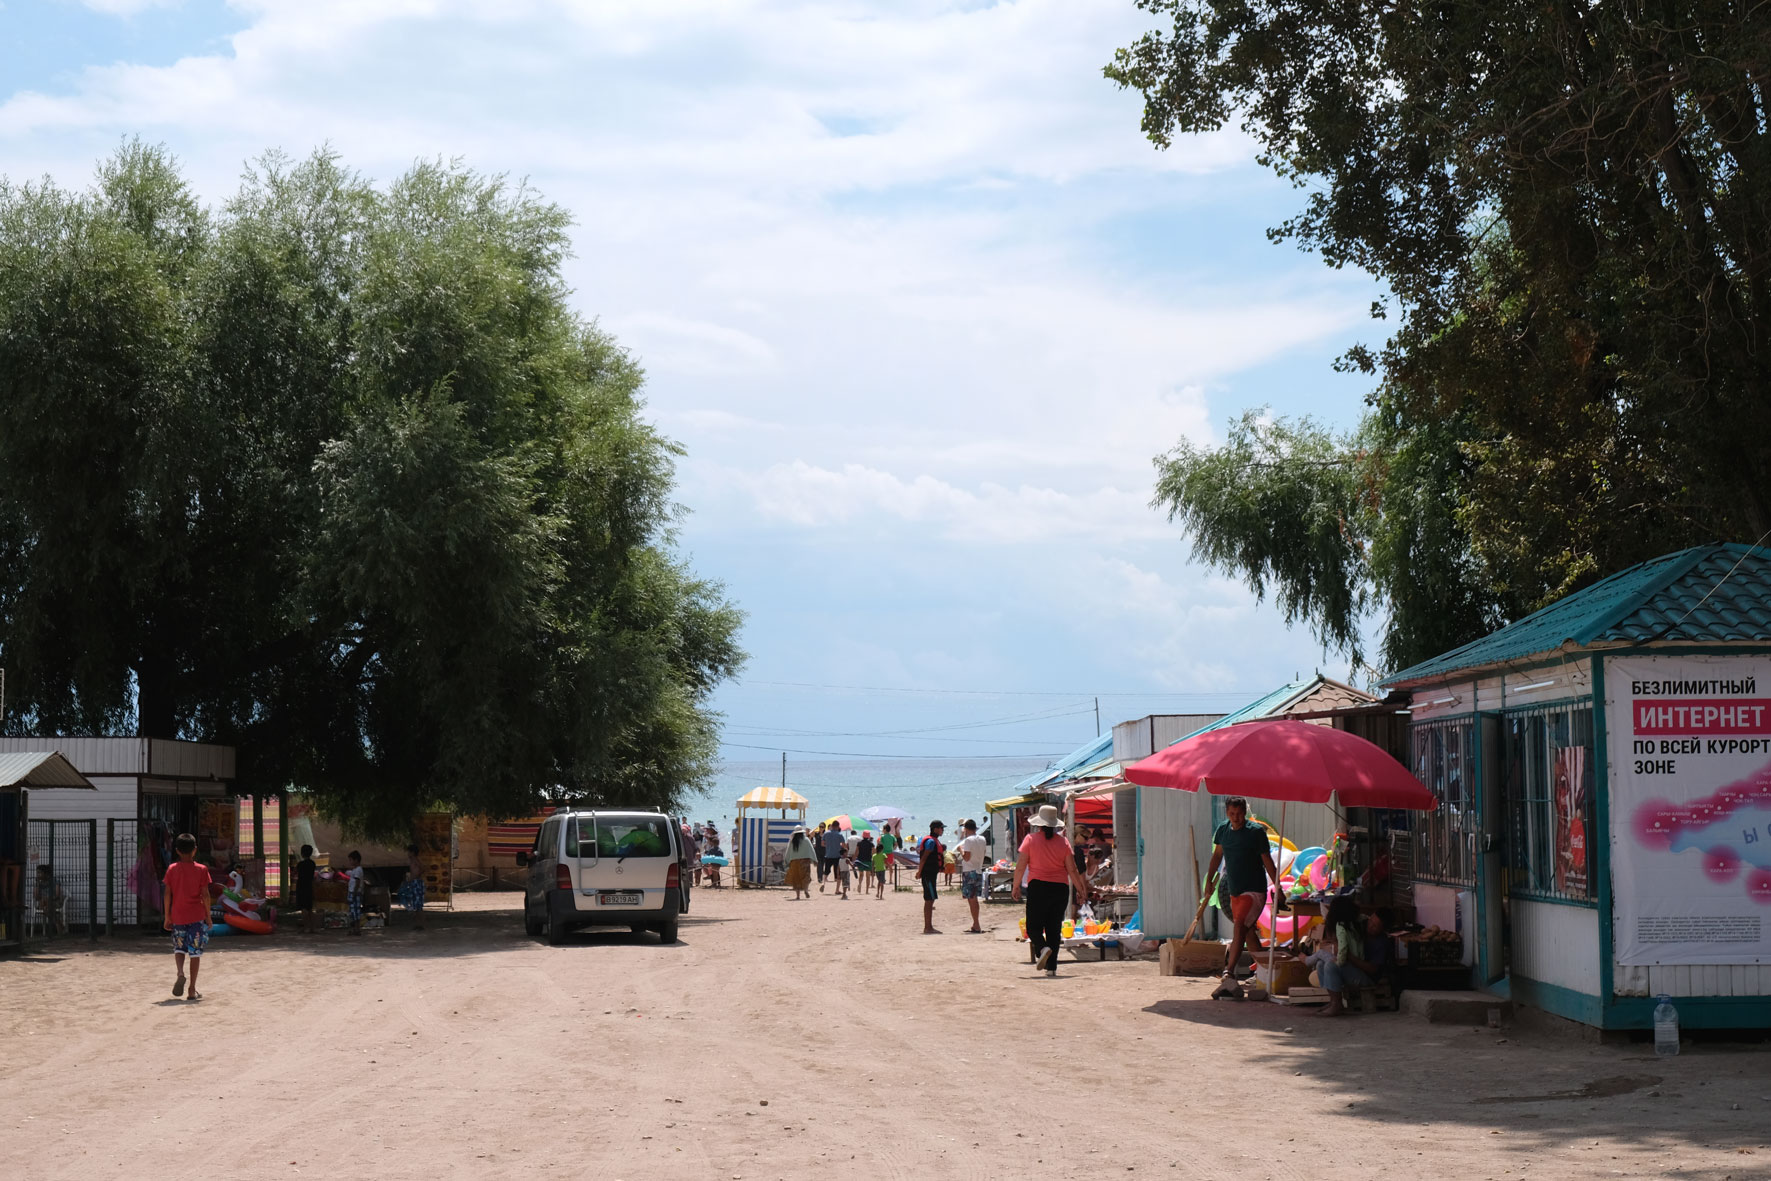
(1242, 849)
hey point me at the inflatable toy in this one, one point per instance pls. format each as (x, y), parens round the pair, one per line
(220, 929)
(1291, 926)
(249, 926)
(714, 859)
(1305, 856)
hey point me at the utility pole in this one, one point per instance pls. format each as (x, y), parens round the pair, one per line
(1097, 717)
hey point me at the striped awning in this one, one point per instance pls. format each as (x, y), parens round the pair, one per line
(1013, 802)
(510, 837)
(772, 797)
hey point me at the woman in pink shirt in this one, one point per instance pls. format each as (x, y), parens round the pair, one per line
(1048, 865)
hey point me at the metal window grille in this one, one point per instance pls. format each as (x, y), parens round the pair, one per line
(132, 875)
(68, 849)
(1549, 797)
(1444, 757)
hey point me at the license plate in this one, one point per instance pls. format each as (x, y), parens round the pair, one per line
(609, 898)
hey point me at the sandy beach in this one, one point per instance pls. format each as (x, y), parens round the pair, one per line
(797, 1039)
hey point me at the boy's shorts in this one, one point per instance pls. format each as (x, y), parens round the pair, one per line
(971, 884)
(1244, 907)
(190, 938)
(931, 890)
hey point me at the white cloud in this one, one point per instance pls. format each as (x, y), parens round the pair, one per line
(873, 254)
(128, 7)
(803, 494)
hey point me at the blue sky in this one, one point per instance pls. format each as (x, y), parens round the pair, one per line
(908, 284)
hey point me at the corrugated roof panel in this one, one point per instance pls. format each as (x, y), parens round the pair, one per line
(39, 768)
(1707, 594)
(1086, 755)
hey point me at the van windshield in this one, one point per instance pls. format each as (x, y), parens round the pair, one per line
(613, 837)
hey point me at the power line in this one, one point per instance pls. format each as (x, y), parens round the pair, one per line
(1058, 711)
(1211, 696)
(907, 738)
(856, 754)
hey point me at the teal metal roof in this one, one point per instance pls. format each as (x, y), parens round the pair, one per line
(1709, 594)
(1264, 706)
(1084, 756)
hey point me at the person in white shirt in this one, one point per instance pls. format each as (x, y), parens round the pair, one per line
(972, 853)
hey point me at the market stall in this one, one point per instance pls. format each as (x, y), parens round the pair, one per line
(1008, 828)
(19, 772)
(762, 839)
(1604, 835)
(1288, 761)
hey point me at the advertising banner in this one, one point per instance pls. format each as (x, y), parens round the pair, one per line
(1689, 742)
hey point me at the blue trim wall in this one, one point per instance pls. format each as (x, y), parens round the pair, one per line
(1553, 998)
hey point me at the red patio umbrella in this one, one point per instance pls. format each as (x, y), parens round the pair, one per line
(1285, 760)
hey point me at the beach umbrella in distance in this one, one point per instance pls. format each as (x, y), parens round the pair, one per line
(884, 812)
(847, 822)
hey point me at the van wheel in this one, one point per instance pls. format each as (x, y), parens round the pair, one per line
(667, 932)
(555, 933)
(531, 924)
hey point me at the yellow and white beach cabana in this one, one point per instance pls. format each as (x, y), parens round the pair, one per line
(762, 839)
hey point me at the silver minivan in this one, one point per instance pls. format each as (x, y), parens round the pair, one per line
(603, 869)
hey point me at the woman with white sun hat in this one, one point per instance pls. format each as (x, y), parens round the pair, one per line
(1048, 865)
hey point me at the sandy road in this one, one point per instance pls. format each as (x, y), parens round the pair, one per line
(469, 1050)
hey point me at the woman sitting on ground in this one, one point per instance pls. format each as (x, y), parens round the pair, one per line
(1339, 959)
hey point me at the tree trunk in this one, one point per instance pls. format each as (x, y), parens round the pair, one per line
(155, 715)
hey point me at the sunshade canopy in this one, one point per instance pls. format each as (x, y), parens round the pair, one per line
(772, 797)
(885, 812)
(40, 768)
(1285, 760)
(1094, 809)
(1013, 802)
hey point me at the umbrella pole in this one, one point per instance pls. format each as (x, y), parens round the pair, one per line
(1273, 939)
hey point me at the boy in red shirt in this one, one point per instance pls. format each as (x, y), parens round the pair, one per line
(187, 910)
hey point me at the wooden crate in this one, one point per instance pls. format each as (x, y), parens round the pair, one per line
(1193, 957)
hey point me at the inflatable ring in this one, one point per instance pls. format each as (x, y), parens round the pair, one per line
(249, 926)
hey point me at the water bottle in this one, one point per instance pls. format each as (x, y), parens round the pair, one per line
(1666, 1026)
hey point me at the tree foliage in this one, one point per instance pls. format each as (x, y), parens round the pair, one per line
(1571, 205)
(334, 474)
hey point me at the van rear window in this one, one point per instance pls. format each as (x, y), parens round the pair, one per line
(609, 837)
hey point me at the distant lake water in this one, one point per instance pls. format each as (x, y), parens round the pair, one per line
(929, 789)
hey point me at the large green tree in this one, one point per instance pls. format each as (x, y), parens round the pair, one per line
(335, 474)
(1571, 206)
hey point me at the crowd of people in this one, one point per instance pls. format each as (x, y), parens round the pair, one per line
(850, 862)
